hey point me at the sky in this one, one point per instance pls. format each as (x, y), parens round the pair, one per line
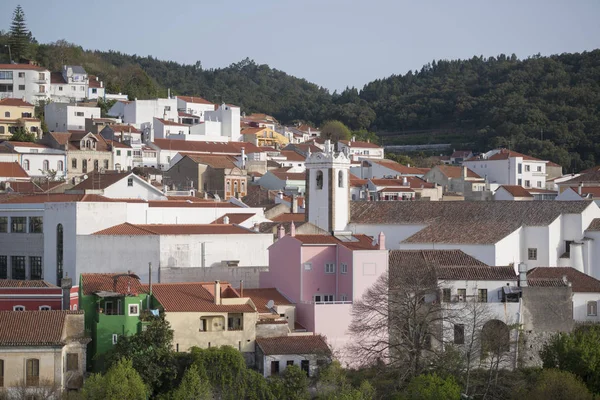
(333, 43)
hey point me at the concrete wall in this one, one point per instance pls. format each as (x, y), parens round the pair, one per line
(250, 275)
(547, 309)
(264, 362)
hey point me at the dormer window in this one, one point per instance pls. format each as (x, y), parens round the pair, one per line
(82, 145)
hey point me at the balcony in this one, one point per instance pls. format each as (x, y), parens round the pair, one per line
(4, 95)
(44, 94)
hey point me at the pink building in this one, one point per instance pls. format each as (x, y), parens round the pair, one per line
(323, 275)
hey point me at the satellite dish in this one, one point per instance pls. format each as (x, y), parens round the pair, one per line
(270, 304)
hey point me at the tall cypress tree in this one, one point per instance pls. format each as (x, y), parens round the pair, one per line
(19, 35)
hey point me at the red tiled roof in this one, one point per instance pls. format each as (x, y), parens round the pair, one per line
(412, 181)
(290, 217)
(22, 66)
(14, 283)
(476, 273)
(402, 169)
(169, 123)
(188, 115)
(56, 198)
(217, 162)
(231, 148)
(293, 345)
(461, 154)
(396, 190)
(194, 99)
(120, 145)
(505, 154)
(61, 138)
(12, 102)
(432, 257)
(173, 229)
(57, 78)
(101, 181)
(234, 218)
(33, 328)
(203, 204)
(456, 171)
(283, 174)
(363, 242)
(251, 131)
(196, 297)
(117, 282)
(580, 282)
(24, 144)
(359, 144)
(125, 128)
(92, 82)
(516, 190)
(260, 298)
(12, 170)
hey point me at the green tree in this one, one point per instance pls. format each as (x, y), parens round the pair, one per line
(333, 384)
(291, 385)
(557, 385)
(432, 387)
(225, 369)
(120, 382)
(20, 37)
(335, 131)
(151, 354)
(576, 352)
(23, 135)
(193, 386)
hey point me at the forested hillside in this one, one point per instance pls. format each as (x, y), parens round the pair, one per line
(545, 106)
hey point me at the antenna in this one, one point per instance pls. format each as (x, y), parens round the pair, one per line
(270, 304)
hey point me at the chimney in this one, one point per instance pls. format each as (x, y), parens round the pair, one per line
(404, 181)
(241, 288)
(256, 227)
(280, 231)
(523, 275)
(226, 220)
(368, 198)
(381, 241)
(292, 229)
(217, 292)
(243, 158)
(579, 188)
(294, 204)
(464, 171)
(280, 194)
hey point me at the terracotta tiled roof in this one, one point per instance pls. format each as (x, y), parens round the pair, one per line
(291, 155)
(303, 147)
(56, 198)
(92, 82)
(12, 102)
(293, 345)
(57, 78)
(461, 154)
(101, 181)
(173, 229)
(203, 204)
(62, 138)
(13, 283)
(33, 328)
(355, 181)
(580, 282)
(234, 218)
(462, 222)
(217, 162)
(290, 217)
(432, 257)
(587, 177)
(194, 99)
(169, 123)
(516, 190)
(12, 170)
(283, 174)
(396, 190)
(260, 298)
(413, 181)
(195, 297)
(22, 66)
(393, 165)
(119, 145)
(25, 144)
(456, 172)
(476, 273)
(363, 242)
(118, 282)
(359, 144)
(251, 131)
(505, 154)
(125, 128)
(231, 148)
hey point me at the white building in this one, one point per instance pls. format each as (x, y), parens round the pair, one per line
(62, 117)
(70, 85)
(384, 168)
(194, 105)
(358, 150)
(285, 179)
(164, 129)
(507, 167)
(141, 113)
(24, 81)
(38, 160)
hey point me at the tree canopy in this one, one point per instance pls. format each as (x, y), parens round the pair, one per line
(20, 37)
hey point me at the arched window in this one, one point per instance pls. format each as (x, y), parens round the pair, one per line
(341, 179)
(32, 377)
(26, 165)
(46, 165)
(592, 308)
(60, 166)
(88, 144)
(319, 179)
(235, 187)
(243, 187)
(74, 163)
(59, 253)
(495, 338)
(228, 187)
(118, 166)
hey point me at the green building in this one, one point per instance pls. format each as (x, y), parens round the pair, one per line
(112, 304)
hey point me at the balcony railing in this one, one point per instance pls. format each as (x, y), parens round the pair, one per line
(4, 95)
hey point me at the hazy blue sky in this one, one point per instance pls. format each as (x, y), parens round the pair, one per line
(334, 43)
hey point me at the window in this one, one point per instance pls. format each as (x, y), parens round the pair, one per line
(446, 295)
(539, 168)
(307, 266)
(532, 254)
(330, 268)
(6, 75)
(134, 309)
(7, 114)
(3, 267)
(228, 186)
(18, 224)
(519, 181)
(84, 165)
(244, 187)
(18, 267)
(289, 362)
(319, 179)
(1, 129)
(3, 224)
(21, 74)
(45, 308)
(105, 164)
(45, 165)
(82, 88)
(94, 91)
(482, 296)
(118, 152)
(60, 88)
(5, 88)
(203, 325)
(59, 253)
(130, 181)
(527, 183)
(520, 168)
(42, 89)
(96, 165)
(26, 165)
(35, 268)
(527, 168)
(167, 108)
(341, 179)
(304, 366)
(344, 268)
(118, 166)
(42, 76)
(274, 368)
(115, 338)
(462, 294)
(72, 361)
(459, 334)
(60, 166)
(129, 155)
(592, 308)
(36, 224)
(21, 87)
(539, 184)
(33, 372)
(78, 114)
(343, 297)
(18, 308)
(1, 373)
(74, 163)
(235, 187)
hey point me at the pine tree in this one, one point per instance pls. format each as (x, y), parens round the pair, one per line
(20, 36)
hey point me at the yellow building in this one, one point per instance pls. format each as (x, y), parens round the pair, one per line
(264, 136)
(15, 113)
